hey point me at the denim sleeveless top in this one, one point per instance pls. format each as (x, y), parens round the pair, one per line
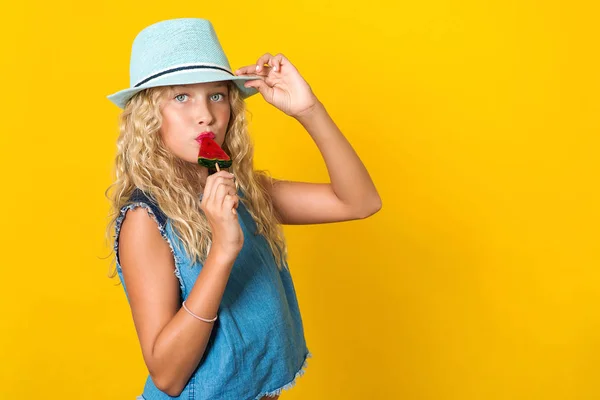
(257, 346)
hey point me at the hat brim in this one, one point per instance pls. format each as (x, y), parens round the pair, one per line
(186, 77)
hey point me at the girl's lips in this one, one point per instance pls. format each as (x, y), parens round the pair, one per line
(205, 134)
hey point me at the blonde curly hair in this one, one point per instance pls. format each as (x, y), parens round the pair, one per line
(142, 161)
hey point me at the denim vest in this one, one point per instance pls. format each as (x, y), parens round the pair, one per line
(257, 346)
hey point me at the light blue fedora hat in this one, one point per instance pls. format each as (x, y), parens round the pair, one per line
(178, 52)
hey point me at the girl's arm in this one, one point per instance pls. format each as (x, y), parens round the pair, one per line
(172, 341)
(351, 193)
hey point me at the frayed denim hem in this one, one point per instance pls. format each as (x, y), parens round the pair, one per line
(275, 392)
(289, 385)
(161, 228)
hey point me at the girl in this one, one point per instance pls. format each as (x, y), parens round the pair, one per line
(210, 292)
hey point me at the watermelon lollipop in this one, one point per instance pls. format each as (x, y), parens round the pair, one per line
(210, 152)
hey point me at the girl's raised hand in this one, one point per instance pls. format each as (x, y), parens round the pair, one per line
(219, 204)
(280, 84)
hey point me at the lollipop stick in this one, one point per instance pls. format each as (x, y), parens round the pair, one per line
(217, 165)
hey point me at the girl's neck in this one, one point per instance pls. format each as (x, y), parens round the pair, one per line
(200, 184)
(194, 174)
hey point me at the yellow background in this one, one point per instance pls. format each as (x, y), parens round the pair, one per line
(478, 121)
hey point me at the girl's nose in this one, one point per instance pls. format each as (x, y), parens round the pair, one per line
(204, 115)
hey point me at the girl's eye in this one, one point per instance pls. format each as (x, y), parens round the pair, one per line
(179, 96)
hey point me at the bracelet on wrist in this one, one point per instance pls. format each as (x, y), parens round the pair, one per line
(196, 316)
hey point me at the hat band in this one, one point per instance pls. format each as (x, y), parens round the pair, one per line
(181, 69)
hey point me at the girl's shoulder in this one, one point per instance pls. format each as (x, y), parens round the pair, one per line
(139, 197)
